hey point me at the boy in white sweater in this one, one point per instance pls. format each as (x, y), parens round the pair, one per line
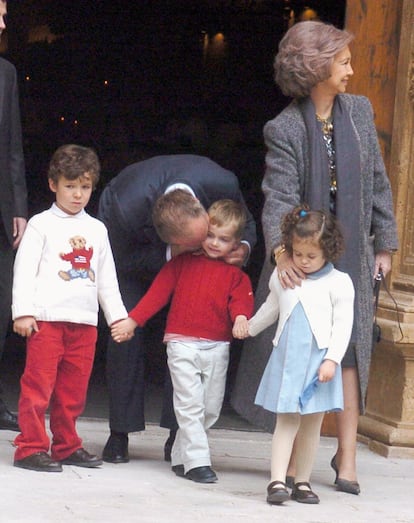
(63, 270)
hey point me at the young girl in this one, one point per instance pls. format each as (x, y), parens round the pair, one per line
(302, 379)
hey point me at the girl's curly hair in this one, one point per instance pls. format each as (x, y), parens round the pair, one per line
(317, 226)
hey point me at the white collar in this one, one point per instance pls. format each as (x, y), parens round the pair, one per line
(62, 214)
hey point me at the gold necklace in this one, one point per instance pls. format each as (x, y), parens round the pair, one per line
(327, 124)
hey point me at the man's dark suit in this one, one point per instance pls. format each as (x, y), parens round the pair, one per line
(125, 207)
(13, 193)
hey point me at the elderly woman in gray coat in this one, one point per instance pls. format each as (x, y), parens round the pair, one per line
(323, 150)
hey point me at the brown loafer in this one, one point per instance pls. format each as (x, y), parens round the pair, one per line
(304, 495)
(82, 458)
(277, 493)
(40, 462)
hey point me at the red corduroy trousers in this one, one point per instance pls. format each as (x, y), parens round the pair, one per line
(59, 363)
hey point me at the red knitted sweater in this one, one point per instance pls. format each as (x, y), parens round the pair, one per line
(206, 296)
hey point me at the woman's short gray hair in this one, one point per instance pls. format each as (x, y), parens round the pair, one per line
(305, 56)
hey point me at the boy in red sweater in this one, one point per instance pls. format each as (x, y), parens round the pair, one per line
(209, 298)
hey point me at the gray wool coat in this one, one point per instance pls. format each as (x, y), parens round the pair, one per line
(286, 175)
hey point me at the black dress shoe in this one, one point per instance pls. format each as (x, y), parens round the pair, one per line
(40, 462)
(82, 458)
(169, 445)
(178, 470)
(116, 448)
(202, 475)
(8, 420)
(304, 495)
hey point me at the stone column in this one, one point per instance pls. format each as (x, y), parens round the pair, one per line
(388, 424)
(375, 51)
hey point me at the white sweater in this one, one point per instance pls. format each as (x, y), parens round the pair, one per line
(328, 305)
(46, 287)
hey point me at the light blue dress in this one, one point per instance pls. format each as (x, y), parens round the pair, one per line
(292, 369)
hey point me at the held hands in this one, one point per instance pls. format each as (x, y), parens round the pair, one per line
(241, 327)
(326, 371)
(25, 326)
(123, 330)
(289, 275)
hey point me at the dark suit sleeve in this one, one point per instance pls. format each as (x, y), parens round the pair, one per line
(135, 244)
(126, 204)
(16, 159)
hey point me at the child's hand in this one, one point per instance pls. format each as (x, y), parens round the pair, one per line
(123, 330)
(241, 327)
(327, 371)
(25, 326)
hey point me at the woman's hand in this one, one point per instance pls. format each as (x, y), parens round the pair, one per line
(383, 262)
(289, 275)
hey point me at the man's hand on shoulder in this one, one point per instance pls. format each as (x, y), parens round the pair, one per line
(238, 256)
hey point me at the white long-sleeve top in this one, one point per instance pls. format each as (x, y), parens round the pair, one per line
(47, 280)
(328, 305)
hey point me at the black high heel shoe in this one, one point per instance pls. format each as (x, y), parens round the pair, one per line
(350, 487)
(335, 468)
(344, 485)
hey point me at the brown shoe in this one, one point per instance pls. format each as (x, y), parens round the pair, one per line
(82, 458)
(304, 495)
(40, 462)
(277, 493)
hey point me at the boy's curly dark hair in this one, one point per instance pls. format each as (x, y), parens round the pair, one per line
(319, 226)
(72, 161)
